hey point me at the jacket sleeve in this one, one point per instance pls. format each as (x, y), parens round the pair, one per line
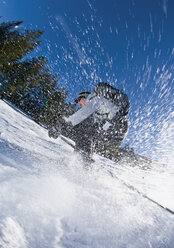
(82, 113)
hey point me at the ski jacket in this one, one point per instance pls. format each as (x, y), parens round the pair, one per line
(100, 107)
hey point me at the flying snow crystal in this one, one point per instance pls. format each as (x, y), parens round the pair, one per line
(165, 7)
(12, 234)
(4, 2)
(72, 40)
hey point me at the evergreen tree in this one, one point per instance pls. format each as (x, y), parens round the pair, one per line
(29, 85)
(55, 108)
(24, 77)
(3, 83)
(14, 46)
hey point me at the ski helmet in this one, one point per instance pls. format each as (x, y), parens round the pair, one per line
(83, 94)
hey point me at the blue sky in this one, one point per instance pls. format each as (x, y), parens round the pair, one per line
(128, 43)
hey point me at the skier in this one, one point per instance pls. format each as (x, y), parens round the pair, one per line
(98, 126)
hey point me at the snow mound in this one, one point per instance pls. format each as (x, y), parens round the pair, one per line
(47, 199)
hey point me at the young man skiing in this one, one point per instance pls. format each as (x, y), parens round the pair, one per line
(98, 126)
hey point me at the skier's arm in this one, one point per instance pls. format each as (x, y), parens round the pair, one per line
(82, 113)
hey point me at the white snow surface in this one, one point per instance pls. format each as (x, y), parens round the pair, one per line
(48, 200)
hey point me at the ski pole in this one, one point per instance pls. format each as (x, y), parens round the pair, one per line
(67, 141)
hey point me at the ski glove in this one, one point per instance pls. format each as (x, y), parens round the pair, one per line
(54, 132)
(61, 129)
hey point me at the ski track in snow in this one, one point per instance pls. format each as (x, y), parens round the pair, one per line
(47, 199)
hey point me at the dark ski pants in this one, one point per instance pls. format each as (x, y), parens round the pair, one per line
(90, 137)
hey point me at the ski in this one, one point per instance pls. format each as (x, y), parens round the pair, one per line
(131, 187)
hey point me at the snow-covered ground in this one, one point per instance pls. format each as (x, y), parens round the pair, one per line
(47, 199)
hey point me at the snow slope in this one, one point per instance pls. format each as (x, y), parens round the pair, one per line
(47, 199)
